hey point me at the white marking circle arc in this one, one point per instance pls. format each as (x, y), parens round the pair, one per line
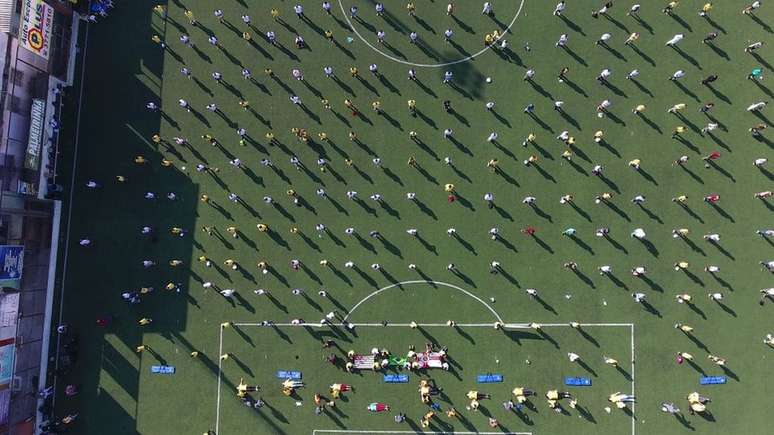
(444, 284)
(425, 65)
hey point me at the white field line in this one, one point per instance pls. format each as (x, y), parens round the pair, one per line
(634, 419)
(441, 283)
(461, 325)
(345, 13)
(220, 371)
(322, 431)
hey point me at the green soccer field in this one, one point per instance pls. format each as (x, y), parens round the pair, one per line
(125, 69)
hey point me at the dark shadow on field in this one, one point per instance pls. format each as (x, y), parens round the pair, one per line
(467, 79)
(651, 309)
(652, 284)
(545, 305)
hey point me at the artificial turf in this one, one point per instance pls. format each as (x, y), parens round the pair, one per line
(125, 69)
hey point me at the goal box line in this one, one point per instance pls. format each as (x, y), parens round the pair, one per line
(432, 325)
(346, 431)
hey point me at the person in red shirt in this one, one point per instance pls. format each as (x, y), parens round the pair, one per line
(529, 231)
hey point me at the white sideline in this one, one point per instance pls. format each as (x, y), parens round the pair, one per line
(316, 431)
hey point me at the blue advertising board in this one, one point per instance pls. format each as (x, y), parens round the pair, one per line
(12, 261)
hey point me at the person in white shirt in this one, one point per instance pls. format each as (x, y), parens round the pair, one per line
(675, 39)
(559, 8)
(677, 75)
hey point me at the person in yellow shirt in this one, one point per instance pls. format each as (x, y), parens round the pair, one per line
(376, 106)
(639, 109)
(635, 163)
(488, 39)
(493, 165)
(685, 328)
(141, 348)
(145, 321)
(680, 232)
(567, 154)
(670, 7)
(120, 178)
(705, 10)
(191, 18)
(529, 140)
(329, 36)
(140, 160)
(247, 36)
(610, 361)
(449, 188)
(411, 8)
(244, 104)
(353, 71)
(275, 14)
(598, 135)
(678, 131)
(233, 231)
(426, 418)
(204, 198)
(683, 298)
(681, 265)
(632, 38)
(263, 228)
(680, 199)
(676, 108)
(166, 163)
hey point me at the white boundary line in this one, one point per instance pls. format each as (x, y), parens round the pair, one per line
(634, 418)
(441, 283)
(473, 325)
(408, 325)
(220, 371)
(316, 431)
(69, 212)
(427, 65)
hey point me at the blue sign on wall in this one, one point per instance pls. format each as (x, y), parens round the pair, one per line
(12, 261)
